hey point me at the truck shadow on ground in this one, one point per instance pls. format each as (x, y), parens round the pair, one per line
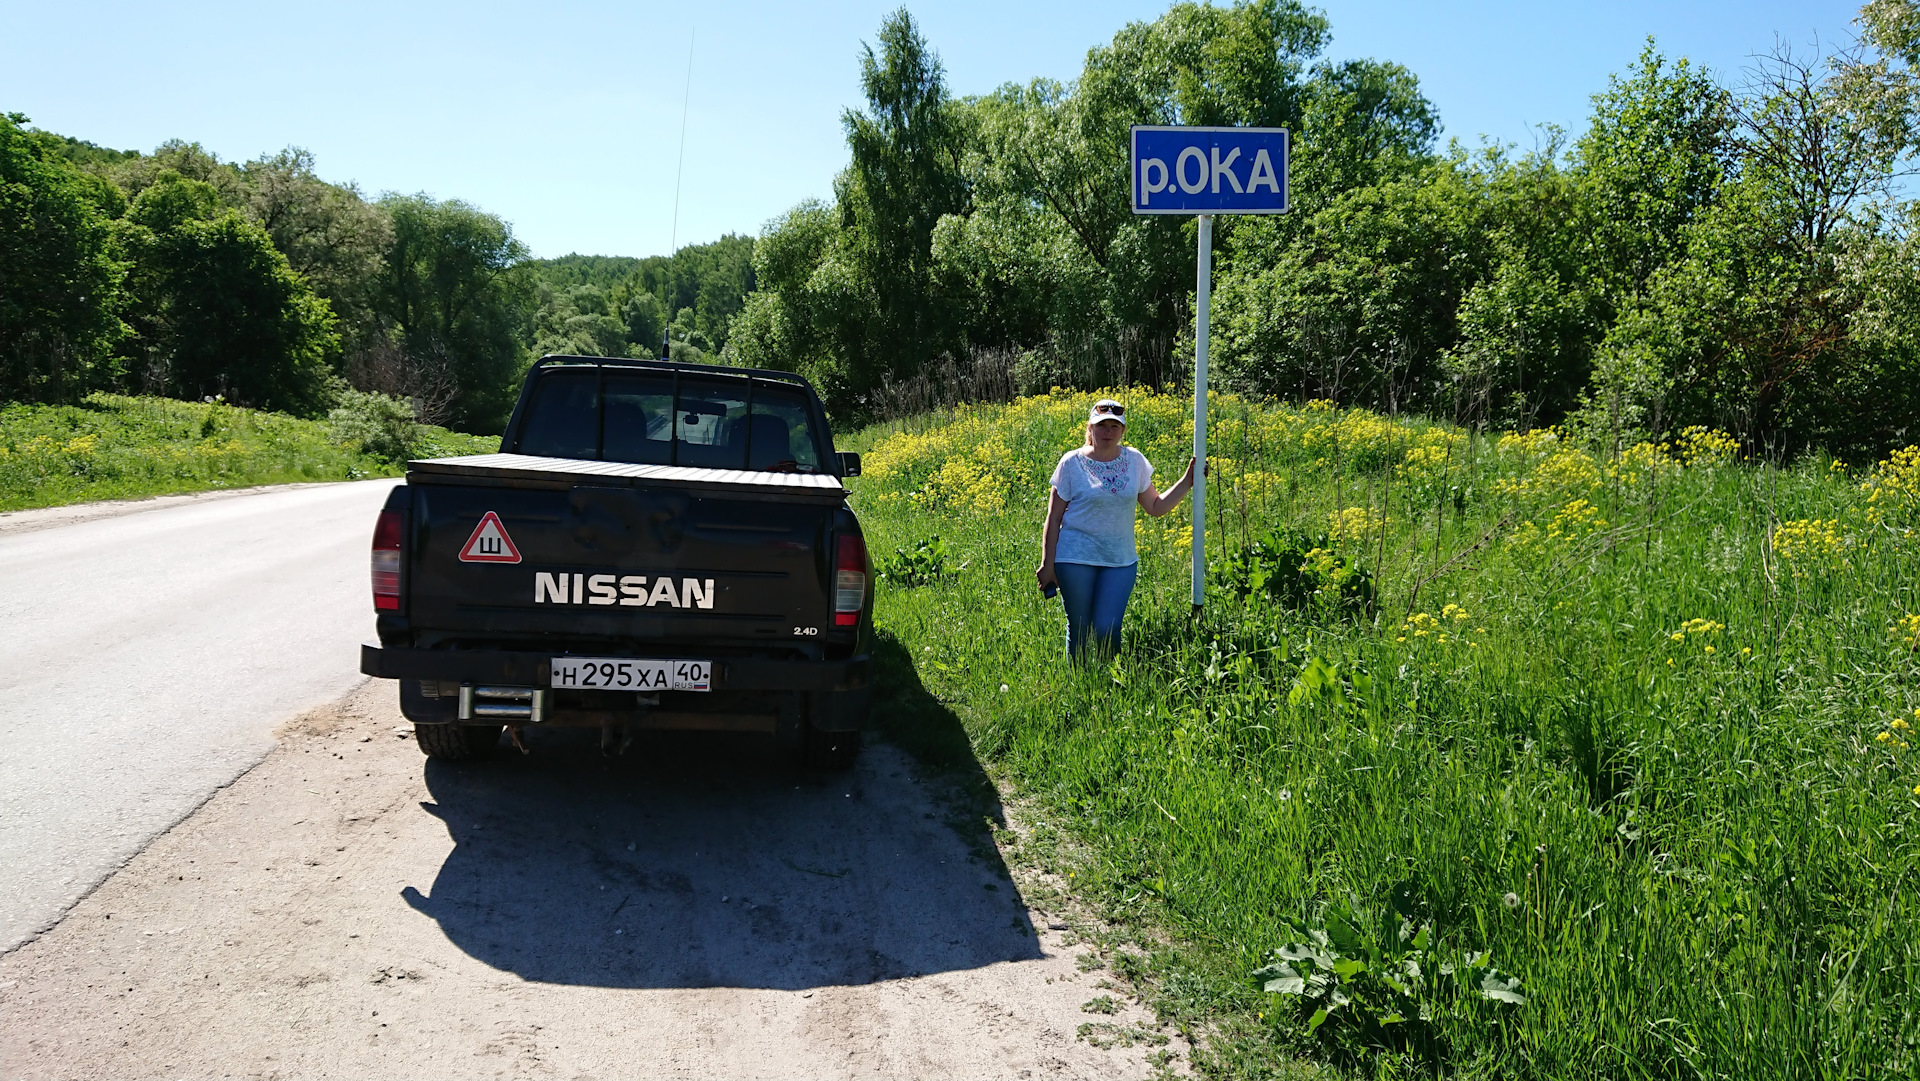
(718, 862)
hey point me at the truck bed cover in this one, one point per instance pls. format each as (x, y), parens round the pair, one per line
(809, 487)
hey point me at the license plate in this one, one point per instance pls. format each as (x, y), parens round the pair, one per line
(628, 674)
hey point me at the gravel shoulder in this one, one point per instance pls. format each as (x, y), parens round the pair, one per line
(698, 907)
(37, 518)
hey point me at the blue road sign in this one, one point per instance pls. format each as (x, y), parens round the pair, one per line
(1209, 170)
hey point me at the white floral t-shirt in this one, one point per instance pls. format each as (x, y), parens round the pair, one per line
(1098, 526)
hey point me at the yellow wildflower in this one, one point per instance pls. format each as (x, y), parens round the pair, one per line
(1907, 628)
(1697, 445)
(1355, 524)
(1422, 624)
(1806, 544)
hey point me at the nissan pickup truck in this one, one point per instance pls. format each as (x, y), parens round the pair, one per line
(655, 546)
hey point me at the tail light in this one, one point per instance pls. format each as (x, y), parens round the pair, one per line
(849, 581)
(386, 562)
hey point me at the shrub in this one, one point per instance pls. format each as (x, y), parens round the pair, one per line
(376, 424)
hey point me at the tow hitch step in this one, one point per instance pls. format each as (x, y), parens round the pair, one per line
(524, 705)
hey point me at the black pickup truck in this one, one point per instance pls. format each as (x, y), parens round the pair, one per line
(656, 546)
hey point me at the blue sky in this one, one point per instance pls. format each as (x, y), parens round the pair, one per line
(564, 117)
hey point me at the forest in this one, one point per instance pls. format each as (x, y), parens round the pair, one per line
(260, 284)
(1731, 249)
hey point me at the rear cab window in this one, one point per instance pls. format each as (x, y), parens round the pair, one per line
(654, 418)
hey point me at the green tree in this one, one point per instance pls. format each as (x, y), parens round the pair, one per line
(789, 323)
(577, 321)
(903, 177)
(1751, 326)
(329, 234)
(1361, 305)
(217, 307)
(451, 287)
(59, 280)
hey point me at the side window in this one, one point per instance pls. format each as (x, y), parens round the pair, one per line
(639, 419)
(563, 418)
(780, 433)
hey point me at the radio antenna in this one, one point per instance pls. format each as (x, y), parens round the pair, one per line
(673, 236)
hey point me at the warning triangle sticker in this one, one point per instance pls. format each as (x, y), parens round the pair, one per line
(489, 543)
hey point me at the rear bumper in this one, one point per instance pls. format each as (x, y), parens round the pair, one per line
(514, 668)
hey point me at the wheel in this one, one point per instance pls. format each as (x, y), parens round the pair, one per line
(456, 742)
(832, 750)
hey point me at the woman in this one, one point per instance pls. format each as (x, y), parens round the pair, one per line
(1087, 548)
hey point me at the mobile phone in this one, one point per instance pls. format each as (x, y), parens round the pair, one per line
(1050, 590)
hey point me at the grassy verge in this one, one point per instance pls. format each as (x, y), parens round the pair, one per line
(1529, 761)
(115, 447)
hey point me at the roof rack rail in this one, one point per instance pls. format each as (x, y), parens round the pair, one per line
(672, 365)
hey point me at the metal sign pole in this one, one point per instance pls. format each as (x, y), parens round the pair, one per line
(1203, 290)
(1206, 171)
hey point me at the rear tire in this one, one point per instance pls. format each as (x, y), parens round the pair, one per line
(832, 750)
(457, 742)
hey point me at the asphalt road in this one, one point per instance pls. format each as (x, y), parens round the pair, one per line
(146, 660)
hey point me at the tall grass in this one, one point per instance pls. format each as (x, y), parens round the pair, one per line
(1636, 725)
(116, 447)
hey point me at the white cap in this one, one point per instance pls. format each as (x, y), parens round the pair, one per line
(1107, 409)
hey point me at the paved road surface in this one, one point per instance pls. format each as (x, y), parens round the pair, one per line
(146, 660)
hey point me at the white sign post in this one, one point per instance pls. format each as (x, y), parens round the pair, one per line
(1204, 172)
(1203, 289)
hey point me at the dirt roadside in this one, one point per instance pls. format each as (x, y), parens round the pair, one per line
(37, 518)
(693, 909)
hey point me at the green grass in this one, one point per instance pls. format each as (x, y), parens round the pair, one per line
(116, 447)
(1693, 843)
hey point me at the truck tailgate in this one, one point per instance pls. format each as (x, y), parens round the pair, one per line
(507, 547)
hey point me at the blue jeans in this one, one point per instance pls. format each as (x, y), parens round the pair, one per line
(1095, 599)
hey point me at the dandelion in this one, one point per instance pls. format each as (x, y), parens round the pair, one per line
(1285, 795)
(1511, 900)
(1004, 688)
(1746, 651)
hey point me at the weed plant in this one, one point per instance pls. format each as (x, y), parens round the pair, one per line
(1632, 728)
(116, 447)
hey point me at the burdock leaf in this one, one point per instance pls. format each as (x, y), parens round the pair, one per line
(1281, 979)
(1501, 990)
